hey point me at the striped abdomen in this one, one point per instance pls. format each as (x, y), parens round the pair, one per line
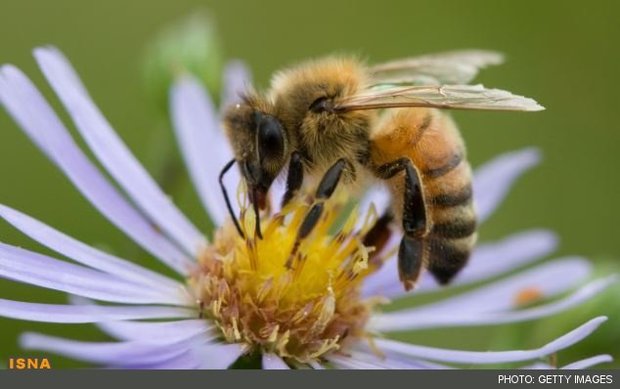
(430, 139)
(452, 227)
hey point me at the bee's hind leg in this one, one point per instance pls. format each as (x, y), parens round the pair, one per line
(326, 188)
(411, 251)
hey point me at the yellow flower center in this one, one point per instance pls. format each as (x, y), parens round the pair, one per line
(298, 303)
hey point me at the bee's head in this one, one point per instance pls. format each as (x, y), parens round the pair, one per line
(260, 145)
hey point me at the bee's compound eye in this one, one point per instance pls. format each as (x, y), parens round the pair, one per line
(270, 137)
(321, 104)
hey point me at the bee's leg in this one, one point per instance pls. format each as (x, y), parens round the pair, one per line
(231, 212)
(326, 188)
(295, 177)
(379, 234)
(411, 251)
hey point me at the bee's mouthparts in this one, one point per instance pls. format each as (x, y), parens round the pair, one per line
(258, 196)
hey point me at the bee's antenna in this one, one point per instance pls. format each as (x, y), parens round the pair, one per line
(257, 215)
(225, 169)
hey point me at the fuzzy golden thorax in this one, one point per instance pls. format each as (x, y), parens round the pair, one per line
(302, 96)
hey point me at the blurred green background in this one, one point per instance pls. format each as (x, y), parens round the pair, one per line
(564, 54)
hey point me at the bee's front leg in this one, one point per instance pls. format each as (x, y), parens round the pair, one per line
(326, 188)
(295, 177)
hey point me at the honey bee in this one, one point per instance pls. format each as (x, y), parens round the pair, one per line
(338, 120)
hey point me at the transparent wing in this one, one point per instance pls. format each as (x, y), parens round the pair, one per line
(444, 96)
(454, 67)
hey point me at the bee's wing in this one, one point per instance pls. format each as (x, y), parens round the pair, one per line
(443, 96)
(454, 67)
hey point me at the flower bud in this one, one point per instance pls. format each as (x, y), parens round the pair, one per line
(189, 45)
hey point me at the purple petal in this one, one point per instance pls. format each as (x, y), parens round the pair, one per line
(344, 362)
(412, 320)
(202, 145)
(113, 153)
(199, 356)
(546, 280)
(86, 254)
(491, 357)
(487, 261)
(216, 356)
(493, 180)
(53, 313)
(30, 110)
(36, 269)
(167, 332)
(105, 353)
(361, 358)
(237, 79)
(184, 361)
(588, 362)
(316, 365)
(537, 366)
(274, 362)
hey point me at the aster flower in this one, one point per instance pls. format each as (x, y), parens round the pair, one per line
(233, 296)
